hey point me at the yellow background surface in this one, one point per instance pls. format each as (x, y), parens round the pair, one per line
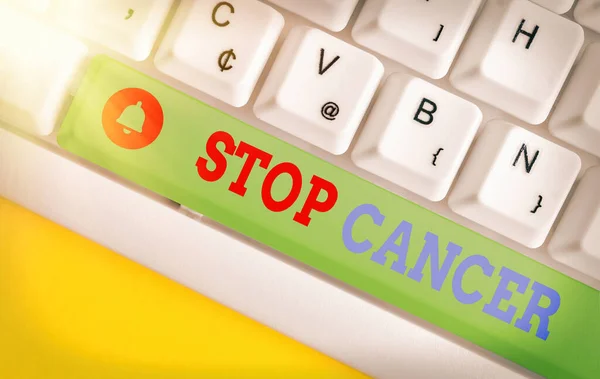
(70, 308)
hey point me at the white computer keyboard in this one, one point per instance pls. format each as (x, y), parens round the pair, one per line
(378, 61)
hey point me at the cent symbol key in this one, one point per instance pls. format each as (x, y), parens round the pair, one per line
(319, 89)
(224, 58)
(220, 47)
(515, 183)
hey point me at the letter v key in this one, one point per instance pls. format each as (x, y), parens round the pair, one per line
(324, 70)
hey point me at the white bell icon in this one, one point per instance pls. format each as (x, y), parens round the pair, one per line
(132, 118)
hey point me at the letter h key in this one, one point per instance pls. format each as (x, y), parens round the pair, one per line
(517, 58)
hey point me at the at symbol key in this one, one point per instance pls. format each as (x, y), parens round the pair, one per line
(308, 92)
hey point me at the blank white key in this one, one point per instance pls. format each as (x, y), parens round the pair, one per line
(220, 47)
(576, 241)
(297, 303)
(587, 13)
(556, 6)
(576, 119)
(423, 35)
(515, 183)
(37, 65)
(129, 27)
(417, 136)
(330, 14)
(517, 58)
(319, 89)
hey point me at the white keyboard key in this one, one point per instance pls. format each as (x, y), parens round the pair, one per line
(31, 5)
(517, 58)
(128, 27)
(330, 14)
(37, 65)
(319, 89)
(302, 305)
(556, 6)
(417, 136)
(423, 35)
(576, 119)
(587, 13)
(220, 47)
(515, 183)
(576, 241)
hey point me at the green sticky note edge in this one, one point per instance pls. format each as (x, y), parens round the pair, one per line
(167, 153)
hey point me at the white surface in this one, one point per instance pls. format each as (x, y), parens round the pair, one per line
(556, 6)
(576, 119)
(411, 32)
(196, 49)
(576, 241)
(31, 5)
(251, 281)
(400, 149)
(315, 71)
(500, 186)
(330, 14)
(587, 13)
(521, 81)
(37, 65)
(105, 22)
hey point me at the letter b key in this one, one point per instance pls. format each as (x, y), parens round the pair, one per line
(417, 136)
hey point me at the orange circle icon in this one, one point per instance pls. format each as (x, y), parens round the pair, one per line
(132, 118)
